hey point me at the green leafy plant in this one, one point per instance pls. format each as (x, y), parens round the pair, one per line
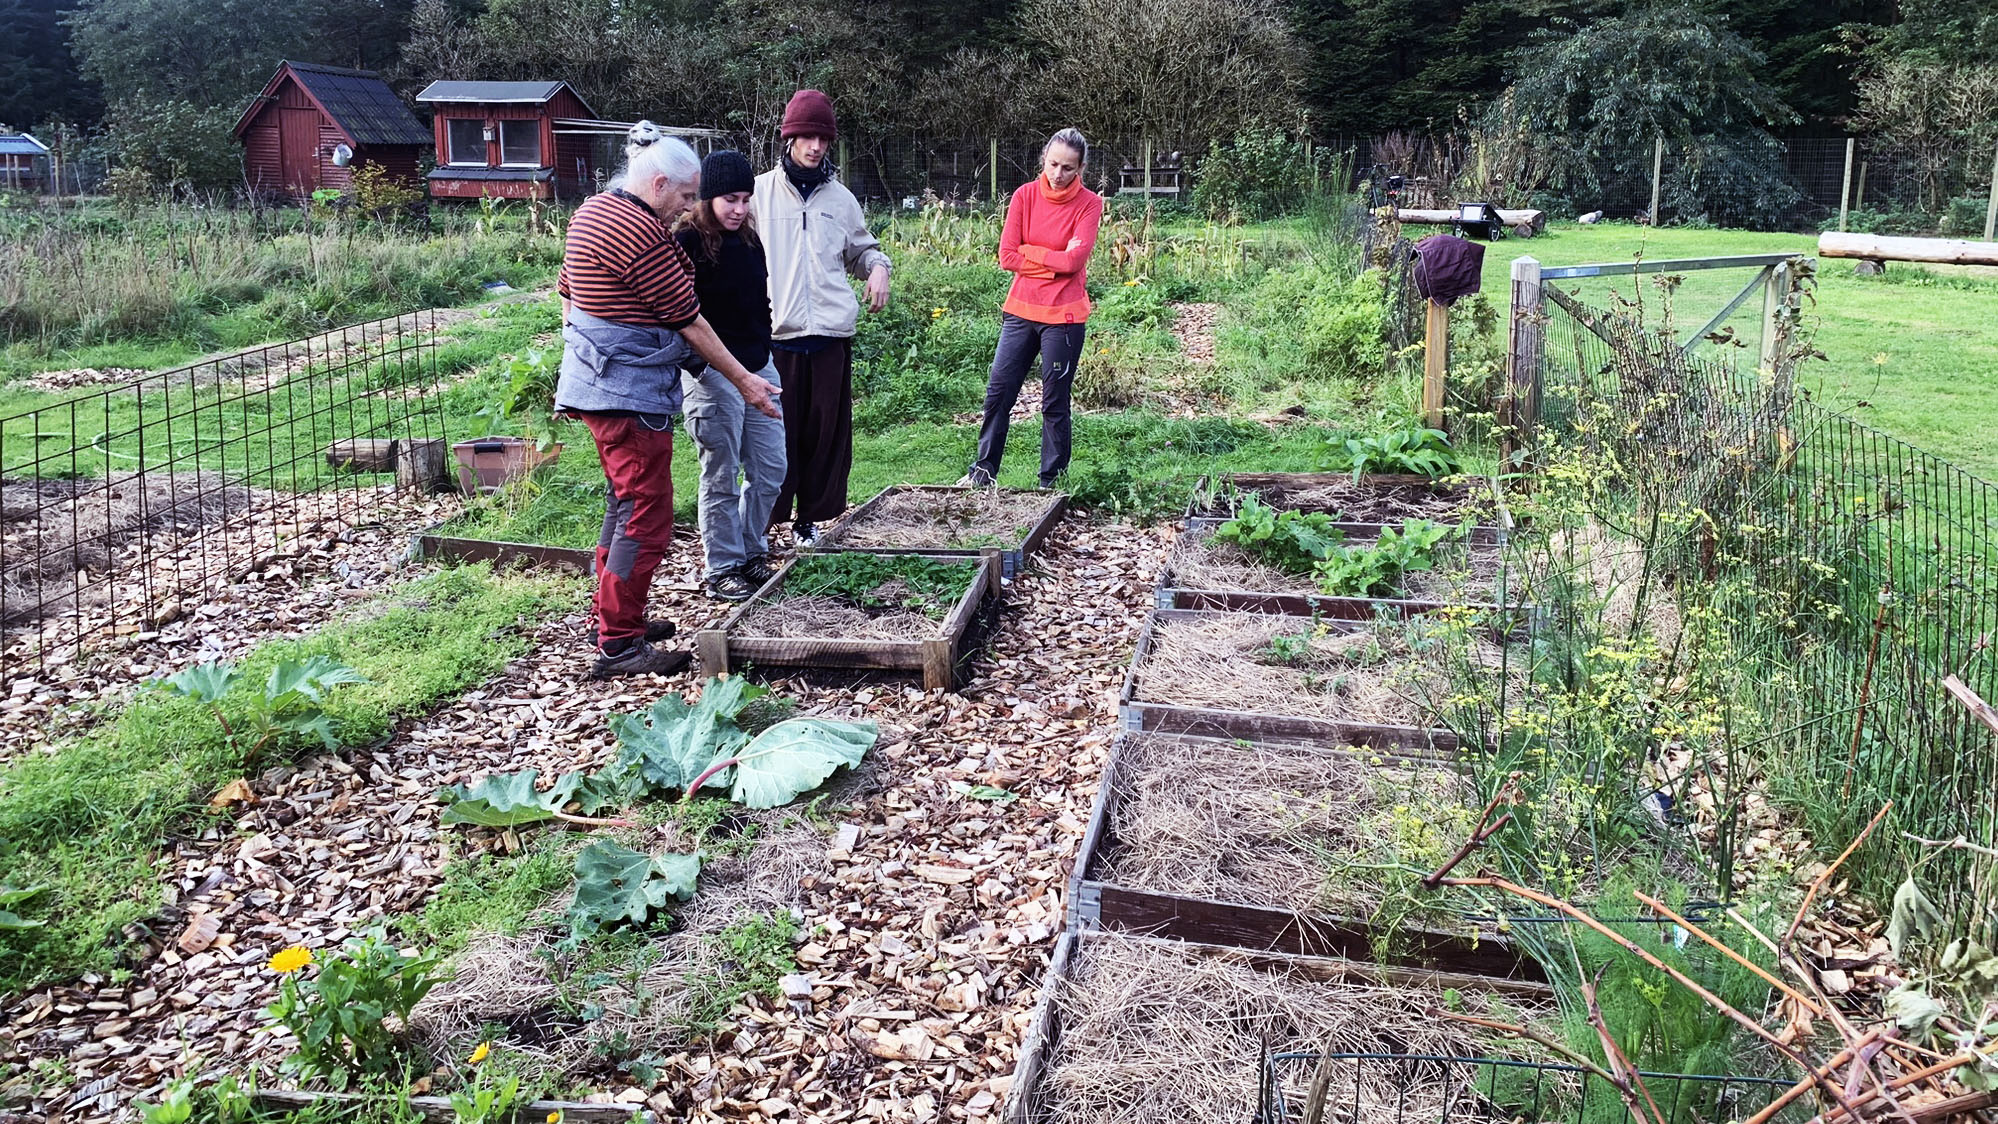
(341, 1014)
(292, 700)
(929, 586)
(1421, 452)
(528, 398)
(1362, 571)
(1288, 649)
(175, 1106)
(1292, 541)
(10, 897)
(617, 884)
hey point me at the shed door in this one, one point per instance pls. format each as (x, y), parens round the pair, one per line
(298, 148)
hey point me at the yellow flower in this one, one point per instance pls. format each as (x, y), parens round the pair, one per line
(479, 1054)
(555, 1117)
(287, 961)
(1133, 281)
(938, 313)
(1880, 359)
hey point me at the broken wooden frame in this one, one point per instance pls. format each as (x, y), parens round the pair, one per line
(935, 658)
(1097, 901)
(1412, 743)
(1040, 1047)
(1012, 558)
(1204, 513)
(430, 543)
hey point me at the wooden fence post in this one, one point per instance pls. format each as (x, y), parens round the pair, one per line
(1147, 158)
(1657, 171)
(1435, 362)
(1859, 194)
(1991, 208)
(1845, 185)
(1525, 336)
(1775, 304)
(995, 170)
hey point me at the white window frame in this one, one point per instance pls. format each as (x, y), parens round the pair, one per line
(533, 123)
(450, 141)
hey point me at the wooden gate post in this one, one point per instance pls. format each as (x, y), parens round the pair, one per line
(1657, 172)
(1776, 302)
(994, 163)
(1991, 209)
(1525, 337)
(1845, 185)
(1435, 361)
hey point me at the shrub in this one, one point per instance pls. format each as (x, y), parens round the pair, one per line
(1259, 175)
(1332, 326)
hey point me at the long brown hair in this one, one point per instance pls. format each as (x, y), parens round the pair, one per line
(703, 219)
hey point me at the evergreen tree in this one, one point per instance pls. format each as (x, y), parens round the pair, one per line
(38, 78)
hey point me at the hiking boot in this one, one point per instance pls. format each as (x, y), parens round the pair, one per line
(655, 631)
(640, 658)
(732, 586)
(807, 534)
(757, 570)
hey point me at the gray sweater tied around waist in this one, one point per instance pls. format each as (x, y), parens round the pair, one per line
(607, 365)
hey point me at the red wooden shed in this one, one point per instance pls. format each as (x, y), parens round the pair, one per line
(314, 125)
(517, 140)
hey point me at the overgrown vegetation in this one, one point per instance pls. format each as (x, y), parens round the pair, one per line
(930, 586)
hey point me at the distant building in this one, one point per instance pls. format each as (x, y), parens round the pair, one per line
(513, 140)
(314, 125)
(24, 163)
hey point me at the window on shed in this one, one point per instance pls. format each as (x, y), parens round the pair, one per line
(468, 140)
(520, 143)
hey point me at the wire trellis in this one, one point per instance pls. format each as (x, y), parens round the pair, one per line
(121, 508)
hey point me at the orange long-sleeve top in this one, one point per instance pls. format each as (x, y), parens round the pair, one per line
(1048, 277)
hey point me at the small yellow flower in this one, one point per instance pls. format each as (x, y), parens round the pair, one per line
(555, 1117)
(286, 961)
(1880, 359)
(1133, 281)
(479, 1054)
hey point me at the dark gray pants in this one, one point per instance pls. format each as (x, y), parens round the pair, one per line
(1060, 347)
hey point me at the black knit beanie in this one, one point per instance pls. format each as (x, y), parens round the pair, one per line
(726, 172)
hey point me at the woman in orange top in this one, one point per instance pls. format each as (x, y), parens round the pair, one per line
(1050, 231)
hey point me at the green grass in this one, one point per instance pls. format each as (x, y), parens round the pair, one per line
(87, 819)
(1913, 352)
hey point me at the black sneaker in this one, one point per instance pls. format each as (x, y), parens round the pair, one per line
(757, 570)
(640, 658)
(655, 631)
(977, 478)
(807, 534)
(731, 586)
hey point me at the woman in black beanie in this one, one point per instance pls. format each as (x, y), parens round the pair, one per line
(733, 285)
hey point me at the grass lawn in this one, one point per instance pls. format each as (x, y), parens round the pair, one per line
(1913, 352)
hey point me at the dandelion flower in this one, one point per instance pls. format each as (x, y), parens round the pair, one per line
(555, 1117)
(1133, 281)
(479, 1053)
(286, 961)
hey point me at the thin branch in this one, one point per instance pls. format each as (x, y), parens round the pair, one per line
(1819, 882)
(592, 821)
(1542, 1037)
(1957, 844)
(1738, 958)
(1809, 1082)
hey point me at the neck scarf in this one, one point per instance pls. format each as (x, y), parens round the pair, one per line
(1049, 193)
(803, 178)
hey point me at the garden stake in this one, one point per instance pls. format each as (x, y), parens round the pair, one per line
(1866, 689)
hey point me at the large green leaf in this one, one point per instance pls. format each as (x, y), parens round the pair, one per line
(9, 920)
(204, 682)
(309, 678)
(506, 799)
(796, 756)
(615, 883)
(672, 742)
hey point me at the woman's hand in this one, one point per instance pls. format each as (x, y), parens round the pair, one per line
(755, 391)
(877, 288)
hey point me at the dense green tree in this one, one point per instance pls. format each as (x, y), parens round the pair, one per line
(38, 78)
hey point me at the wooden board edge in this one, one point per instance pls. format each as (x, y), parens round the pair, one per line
(1039, 532)
(440, 1109)
(1417, 744)
(451, 548)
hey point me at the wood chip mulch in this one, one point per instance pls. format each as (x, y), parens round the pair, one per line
(927, 930)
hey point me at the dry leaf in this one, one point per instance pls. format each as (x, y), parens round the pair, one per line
(235, 792)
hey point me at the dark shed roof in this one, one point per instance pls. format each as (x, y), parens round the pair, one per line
(358, 101)
(497, 93)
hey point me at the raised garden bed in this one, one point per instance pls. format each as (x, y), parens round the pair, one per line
(1205, 573)
(864, 611)
(1277, 847)
(947, 521)
(1148, 1031)
(1268, 677)
(1371, 500)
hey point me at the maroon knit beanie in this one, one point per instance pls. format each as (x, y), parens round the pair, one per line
(809, 114)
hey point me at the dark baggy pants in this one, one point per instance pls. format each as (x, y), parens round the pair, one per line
(638, 520)
(1060, 347)
(818, 431)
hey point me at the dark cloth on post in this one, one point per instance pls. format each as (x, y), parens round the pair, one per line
(638, 522)
(1059, 347)
(1448, 267)
(818, 430)
(734, 290)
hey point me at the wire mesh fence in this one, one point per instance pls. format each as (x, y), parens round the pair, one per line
(1312, 1087)
(122, 507)
(1856, 571)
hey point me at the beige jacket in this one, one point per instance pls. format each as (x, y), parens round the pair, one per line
(810, 248)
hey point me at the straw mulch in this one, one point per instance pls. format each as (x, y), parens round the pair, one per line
(1281, 826)
(822, 618)
(1153, 1034)
(1236, 661)
(1463, 574)
(1367, 503)
(972, 517)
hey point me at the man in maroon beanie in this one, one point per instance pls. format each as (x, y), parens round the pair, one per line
(814, 235)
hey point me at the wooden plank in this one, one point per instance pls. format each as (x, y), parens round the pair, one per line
(1323, 606)
(1420, 744)
(1972, 701)
(1013, 557)
(711, 646)
(937, 665)
(363, 454)
(1880, 247)
(1524, 221)
(1480, 534)
(439, 1108)
(422, 465)
(448, 548)
(1042, 1037)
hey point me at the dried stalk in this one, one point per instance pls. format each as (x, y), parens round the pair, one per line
(1629, 1083)
(1809, 1082)
(1865, 691)
(1819, 882)
(1527, 1032)
(1808, 1003)
(1507, 793)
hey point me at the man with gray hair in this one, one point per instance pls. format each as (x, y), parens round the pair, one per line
(630, 321)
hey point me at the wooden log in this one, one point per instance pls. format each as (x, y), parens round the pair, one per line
(421, 465)
(439, 1108)
(1524, 223)
(1877, 247)
(363, 454)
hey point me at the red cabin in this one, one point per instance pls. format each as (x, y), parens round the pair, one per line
(516, 140)
(314, 125)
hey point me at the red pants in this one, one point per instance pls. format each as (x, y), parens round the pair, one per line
(638, 521)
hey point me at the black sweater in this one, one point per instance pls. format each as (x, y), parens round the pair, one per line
(734, 294)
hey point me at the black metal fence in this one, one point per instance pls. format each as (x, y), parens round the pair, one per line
(1858, 572)
(1352, 1088)
(120, 508)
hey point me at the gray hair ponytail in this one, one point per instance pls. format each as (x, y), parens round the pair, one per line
(1071, 139)
(649, 152)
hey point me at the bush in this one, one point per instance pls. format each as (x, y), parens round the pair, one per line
(1964, 217)
(1318, 324)
(1260, 175)
(188, 146)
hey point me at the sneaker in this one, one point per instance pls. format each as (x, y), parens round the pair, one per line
(977, 478)
(655, 631)
(1047, 484)
(807, 534)
(757, 570)
(732, 586)
(640, 658)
